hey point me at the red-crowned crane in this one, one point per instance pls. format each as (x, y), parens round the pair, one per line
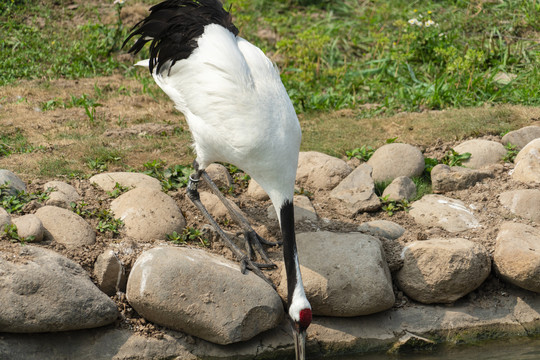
(239, 113)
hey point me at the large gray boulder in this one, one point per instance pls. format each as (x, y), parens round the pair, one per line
(483, 152)
(43, 291)
(521, 137)
(65, 227)
(107, 181)
(15, 183)
(319, 171)
(517, 255)
(344, 274)
(527, 169)
(446, 178)
(202, 294)
(442, 270)
(356, 193)
(450, 214)
(524, 203)
(393, 160)
(148, 214)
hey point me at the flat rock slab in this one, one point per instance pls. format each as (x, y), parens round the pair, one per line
(524, 203)
(351, 279)
(65, 227)
(521, 137)
(43, 291)
(394, 160)
(148, 214)
(450, 214)
(202, 294)
(527, 169)
(515, 313)
(319, 171)
(517, 255)
(483, 152)
(442, 270)
(107, 181)
(15, 183)
(446, 178)
(356, 193)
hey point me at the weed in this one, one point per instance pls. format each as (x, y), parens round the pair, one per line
(189, 234)
(380, 186)
(14, 204)
(304, 192)
(107, 222)
(453, 158)
(117, 190)
(11, 232)
(511, 153)
(362, 153)
(171, 178)
(16, 143)
(429, 164)
(392, 206)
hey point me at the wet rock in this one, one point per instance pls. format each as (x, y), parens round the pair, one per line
(382, 228)
(401, 188)
(219, 175)
(43, 291)
(517, 255)
(356, 193)
(65, 227)
(256, 191)
(14, 182)
(521, 137)
(394, 160)
(202, 294)
(524, 203)
(109, 273)
(450, 214)
(351, 279)
(320, 171)
(29, 227)
(131, 180)
(446, 178)
(483, 152)
(527, 169)
(148, 214)
(62, 195)
(303, 210)
(442, 270)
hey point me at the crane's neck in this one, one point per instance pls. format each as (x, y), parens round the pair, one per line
(296, 297)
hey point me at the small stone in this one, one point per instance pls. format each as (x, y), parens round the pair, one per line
(319, 171)
(29, 227)
(62, 194)
(521, 137)
(401, 188)
(256, 191)
(109, 273)
(15, 184)
(216, 208)
(219, 175)
(524, 203)
(394, 160)
(5, 218)
(303, 210)
(527, 168)
(483, 152)
(382, 228)
(65, 227)
(445, 178)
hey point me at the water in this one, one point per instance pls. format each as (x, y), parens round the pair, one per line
(508, 349)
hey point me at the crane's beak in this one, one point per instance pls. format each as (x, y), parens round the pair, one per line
(299, 343)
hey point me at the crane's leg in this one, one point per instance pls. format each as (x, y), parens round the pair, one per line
(245, 260)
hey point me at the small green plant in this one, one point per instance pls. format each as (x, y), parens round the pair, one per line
(10, 230)
(429, 164)
(189, 234)
(117, 190)
(391, 140)
(392, 206)
(172, 178)
(98, 165)
(14, 204)
(380, 186)
(304, 192)
(453, 158)
(511, 153)
(80, 208)
(107, 222)
(362, 153)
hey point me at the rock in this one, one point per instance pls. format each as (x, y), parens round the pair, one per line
(5, 218)
(202, 294)
(65, 227)
(148, 214)
(303, 210)
(401, 188)
(521, 137)
(29, 227)
(394, 160)
(15, 184)
(524, 203)
(527, 168)
(483, 152)
(109, 273)
(62, 195)
(220, 175)
(215, 207)
(344, 274)
(445, 178)
(107, 181)
(256, 191)
(43, 291)
(442, 270)
(382, 228)
(517, 255)
(410, 342)
(437, 210)
(356, 193)
(320, 171)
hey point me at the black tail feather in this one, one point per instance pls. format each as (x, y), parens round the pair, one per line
(173, 28)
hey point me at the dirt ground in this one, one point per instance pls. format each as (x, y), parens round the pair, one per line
(143, 126)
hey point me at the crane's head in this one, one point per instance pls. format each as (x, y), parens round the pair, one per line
(300, 321)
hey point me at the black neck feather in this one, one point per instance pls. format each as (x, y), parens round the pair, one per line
(289, 246)
(174, 26)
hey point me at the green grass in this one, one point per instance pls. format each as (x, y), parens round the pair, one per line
(333, 55)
